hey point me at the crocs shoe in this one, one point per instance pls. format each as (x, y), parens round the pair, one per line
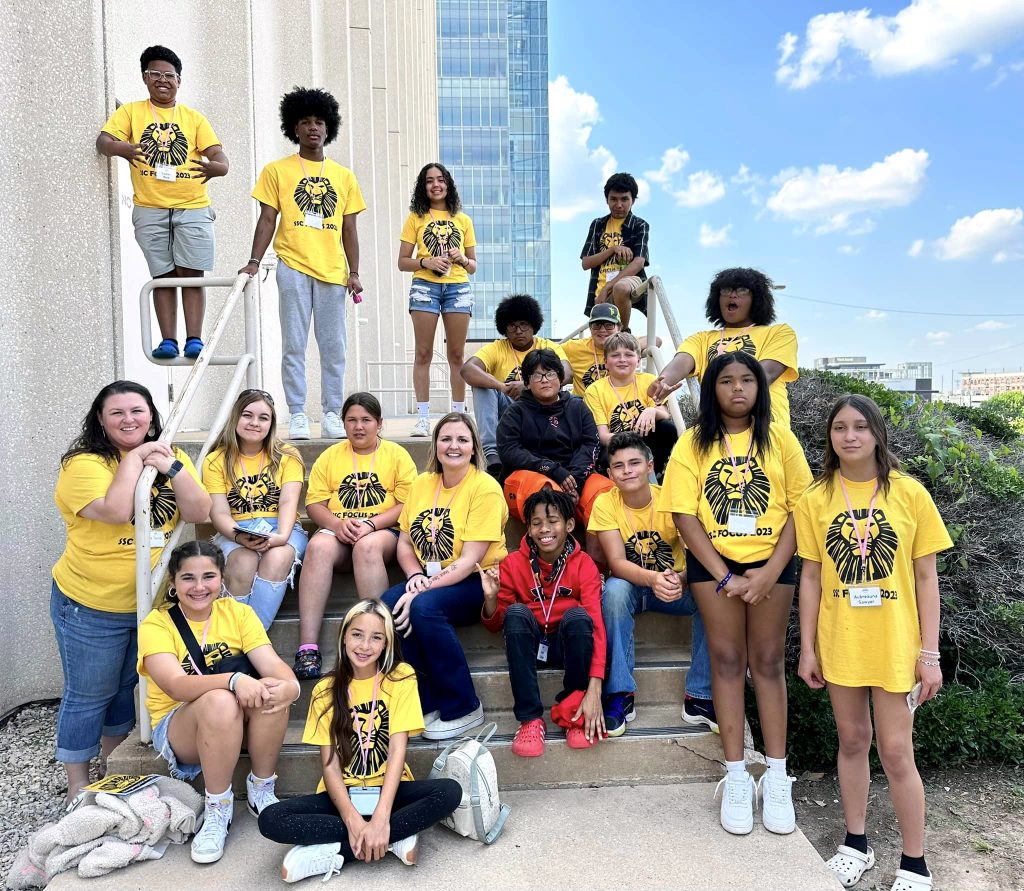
(849, 864)
(576, 738)
(911, 881)
(168, 349)
(529, 741)
(304, 861)
(193, 347)
(307, 664)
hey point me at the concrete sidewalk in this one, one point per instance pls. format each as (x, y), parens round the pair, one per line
(649, 837)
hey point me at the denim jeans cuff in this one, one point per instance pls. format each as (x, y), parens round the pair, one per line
(79, 756)
(120, 729)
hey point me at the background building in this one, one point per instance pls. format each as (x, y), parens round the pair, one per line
(980, 385)
(903, 377)
(492, 87)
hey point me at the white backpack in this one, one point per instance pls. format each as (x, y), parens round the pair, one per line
(480, 815)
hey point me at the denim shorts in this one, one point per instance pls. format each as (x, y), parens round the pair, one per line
(162, 747)
(440, 297)
(297, 539)
(175, 237)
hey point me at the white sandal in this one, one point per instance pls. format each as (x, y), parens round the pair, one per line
(849, 865)
(911, 881)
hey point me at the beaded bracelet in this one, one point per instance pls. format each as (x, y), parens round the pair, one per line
(927, 662)
(723, 582)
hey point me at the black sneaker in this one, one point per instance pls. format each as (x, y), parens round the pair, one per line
(307, 664)
(618, 712)
(700, 711)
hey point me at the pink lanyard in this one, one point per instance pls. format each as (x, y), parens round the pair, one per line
(862, 543)
(360, 488)
(202, 643)
(741, 483)
(622, 401)
(597, 364)
(249, 499)
(650, 525)
(554, 593)
(365, 744)
(156, 120)
(320, 175)
(724, 344)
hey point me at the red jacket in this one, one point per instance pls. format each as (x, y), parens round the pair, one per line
(580, 577)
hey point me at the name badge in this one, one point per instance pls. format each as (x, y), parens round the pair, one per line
(742, 524)
(262, 527)
(866, 596)
(364, 799)
(433, 568)
(542, 651)
(166, 173)
(313, 220)
(156, 538)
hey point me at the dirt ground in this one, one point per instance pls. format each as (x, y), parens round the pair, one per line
(975, 827)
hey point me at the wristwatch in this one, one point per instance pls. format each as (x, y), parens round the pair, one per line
(172, 471)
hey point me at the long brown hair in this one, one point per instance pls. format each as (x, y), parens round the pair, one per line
(231, 447)
(885, 461)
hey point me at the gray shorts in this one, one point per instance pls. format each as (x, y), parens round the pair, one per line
(170, 238)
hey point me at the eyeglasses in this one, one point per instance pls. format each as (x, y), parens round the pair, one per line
(735, 292)
(160, 75)
(542, 377)
(602, 326)
(263, 394)
(519, 326)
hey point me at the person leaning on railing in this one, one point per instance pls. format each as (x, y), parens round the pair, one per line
(92, 602)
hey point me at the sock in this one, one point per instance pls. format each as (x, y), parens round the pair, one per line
(914, 864)
(309, 646)
(778, 764)
(459, 406)
(260, 781)
(423, 408)
(736, 769)
(219, 799)
(857, 842)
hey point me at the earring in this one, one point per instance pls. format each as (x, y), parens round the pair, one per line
(172, 593)
(224, 592)
(152, 430)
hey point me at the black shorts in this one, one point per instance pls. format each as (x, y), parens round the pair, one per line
(696, 572)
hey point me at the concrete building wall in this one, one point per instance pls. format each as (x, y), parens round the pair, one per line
(73, 271)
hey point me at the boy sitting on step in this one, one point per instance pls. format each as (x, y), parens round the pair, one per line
(547, 596)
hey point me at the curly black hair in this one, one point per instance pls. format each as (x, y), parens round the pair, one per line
(303, 102)
(762, 307)
(546, 498)
(419, 204)
(621, 182)
(518, 308)
(159, 54)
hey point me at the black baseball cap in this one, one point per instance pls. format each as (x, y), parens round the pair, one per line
(605, 312)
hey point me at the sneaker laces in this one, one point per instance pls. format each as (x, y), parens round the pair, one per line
(216, 820)
(736, 791)
(262, 793)
(777, 791)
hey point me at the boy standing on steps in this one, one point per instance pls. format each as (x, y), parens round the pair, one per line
(165, 143)
(317, 248)
(648, 572)
(547, 597)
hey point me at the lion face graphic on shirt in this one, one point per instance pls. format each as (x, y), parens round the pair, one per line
(443, 545)
(841, 546)
(648, 550)
(255, 492)
(744, 489)
(440, 236)
(315, 194)
(742, 343)
(164, 144)
(377, 757)
(361, 490)
(625, 415)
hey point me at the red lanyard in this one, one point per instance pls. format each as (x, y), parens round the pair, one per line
(741, 483)
(862, 543)
(724, 344)
(365, 744)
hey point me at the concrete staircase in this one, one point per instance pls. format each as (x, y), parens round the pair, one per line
(656, 749)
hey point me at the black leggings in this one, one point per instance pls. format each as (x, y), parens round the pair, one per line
(314, 820)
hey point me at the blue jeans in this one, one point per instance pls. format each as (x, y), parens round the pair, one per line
(440, 298)
(488, 407)
(433, 648)
(98, 651)
(620, 602)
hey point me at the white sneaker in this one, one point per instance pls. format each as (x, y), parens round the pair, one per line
(406, 850)
(431, 717)
(775, 791)
(298, 426)
(737, 803)
(260, 795)
(450, 729)
(331, 426)
(208, 844)
(421, 427)
(304, 861)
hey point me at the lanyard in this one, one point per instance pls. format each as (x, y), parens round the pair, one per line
(540, 590)
(636, 390)
(862, 543)
(249, 500)
(202, 643)
(650, 526)
(361, 489)
(519, 362)
(724, 344)
(597, 363)
(320, 175)
(156, 120)
(434, 522)
(365, 744)
(741, 483)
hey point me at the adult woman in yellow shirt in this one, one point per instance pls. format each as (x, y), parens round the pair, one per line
(732, 483)
(92, 603)
(453, 520)
(869, 622)
(255, 481)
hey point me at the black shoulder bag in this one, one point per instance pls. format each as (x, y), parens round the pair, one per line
(225, 666)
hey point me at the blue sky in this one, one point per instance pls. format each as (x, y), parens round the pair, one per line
(870, 157)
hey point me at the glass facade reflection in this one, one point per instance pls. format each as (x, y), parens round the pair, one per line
(492, 80)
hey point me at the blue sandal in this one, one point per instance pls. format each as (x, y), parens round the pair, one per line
(193, 347)
(168, 349)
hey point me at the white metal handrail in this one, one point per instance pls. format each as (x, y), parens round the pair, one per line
(148, 578)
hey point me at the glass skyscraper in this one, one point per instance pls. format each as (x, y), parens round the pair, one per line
(492, 85)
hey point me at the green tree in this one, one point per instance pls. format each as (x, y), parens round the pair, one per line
(1010, 407)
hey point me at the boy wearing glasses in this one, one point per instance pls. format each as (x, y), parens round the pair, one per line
(173, 152)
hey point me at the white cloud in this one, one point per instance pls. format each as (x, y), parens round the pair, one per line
(750, 184)
(926, 34)
(1006, 71)
(983, 61)
(937, 338)
(874, 315)
(578, 169)
(702, 188)
(865, 228)
(998, 233)
(710, 237)
(991, 325)
(916, 248)
(832, 197)
(850, 250)
(672, 161)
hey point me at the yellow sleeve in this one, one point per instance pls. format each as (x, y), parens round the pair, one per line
(807, 536)
(694, 346)
(488, 356)
(680, 490)
(317, 731)
(205, 137)
(354, 202)
(406, 711)
(82, 481)
(405, 475)
(321, 484)
(469, 233)
(266, 189)
(214, 479)
(557, 347)
(780, 346)
(930, 535)
(602, 517)
(292, 470)
(157, 635)
(487, 511)
(592, 397)
(798, 474)
(119, 124)
(251, 628)
(410, 230)
(405, 517)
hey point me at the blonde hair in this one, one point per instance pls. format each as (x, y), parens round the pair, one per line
(231, 447)
(456, 417)
(621, 340)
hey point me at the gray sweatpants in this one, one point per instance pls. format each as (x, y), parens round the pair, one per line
(300, 297)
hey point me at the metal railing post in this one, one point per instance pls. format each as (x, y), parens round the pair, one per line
(253, 372)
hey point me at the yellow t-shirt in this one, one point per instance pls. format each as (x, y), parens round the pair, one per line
(505, 363)
(176, 137)
(234, 629)
(618, 408)
(436, 233)
(776, 342)
(374, 484)
(708, 487)
(869, 646)
(587, 363)
(250, 489)
(294, 188)
(398, 711)
(97, 568)
(475, 510)
(649, 535)
(612, 237)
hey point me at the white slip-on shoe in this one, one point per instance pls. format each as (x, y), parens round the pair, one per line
(406, 850)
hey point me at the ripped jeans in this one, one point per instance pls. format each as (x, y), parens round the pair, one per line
(440, 297)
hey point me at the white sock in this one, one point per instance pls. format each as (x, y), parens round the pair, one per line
(258, 781)
(778, 764)
(423, 408)
(459, 406)
(736, 769)
(219, 799)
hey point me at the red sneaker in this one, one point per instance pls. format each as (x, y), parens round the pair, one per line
(577, 739)
(529, 741)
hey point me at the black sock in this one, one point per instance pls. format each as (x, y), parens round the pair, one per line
(857, 842)
(914, 864)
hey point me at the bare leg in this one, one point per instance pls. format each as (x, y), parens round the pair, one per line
(766, 651)
(853, 721)
(456, 327)
(264, 735)
(894, 726)
(165, 302)
(193, 302)
(276, 563)
(622, 298)
(78, 776)
(107, 746)
(240, 571)
(208, 731)
(424, 325)
(370, 558)
(323, 554)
